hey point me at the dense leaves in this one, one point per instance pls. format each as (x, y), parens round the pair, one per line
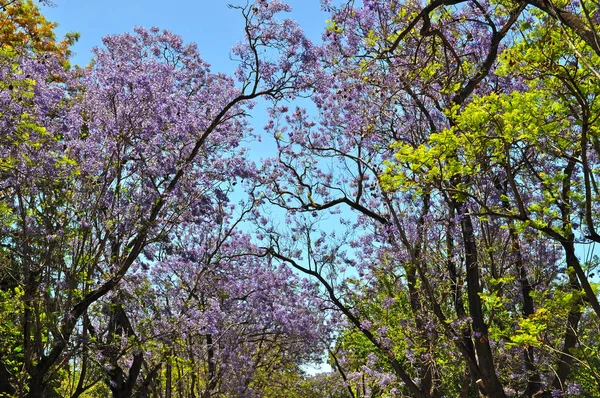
(23, 28)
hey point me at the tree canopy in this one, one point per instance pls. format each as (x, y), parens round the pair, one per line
(428, 223)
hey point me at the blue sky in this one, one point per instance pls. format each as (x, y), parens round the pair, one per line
(209, 23)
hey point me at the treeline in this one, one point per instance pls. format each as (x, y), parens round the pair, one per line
(429, 222)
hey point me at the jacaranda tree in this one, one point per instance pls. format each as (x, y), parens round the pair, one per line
(125, 165)
(429, 220)
(454, 142)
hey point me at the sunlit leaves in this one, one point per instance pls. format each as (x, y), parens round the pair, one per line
(24, 28)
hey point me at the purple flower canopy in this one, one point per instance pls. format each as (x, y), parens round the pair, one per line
(421, 221)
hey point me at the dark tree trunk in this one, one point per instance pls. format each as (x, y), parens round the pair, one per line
(491, 385)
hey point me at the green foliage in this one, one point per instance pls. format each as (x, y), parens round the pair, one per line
(11, 337)
(535, 142)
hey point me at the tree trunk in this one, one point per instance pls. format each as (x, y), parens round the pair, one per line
(490, 385)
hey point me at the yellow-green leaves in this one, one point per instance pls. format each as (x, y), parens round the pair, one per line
(333, 26)
(444, 157)
(530, 330)
(371, 39)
